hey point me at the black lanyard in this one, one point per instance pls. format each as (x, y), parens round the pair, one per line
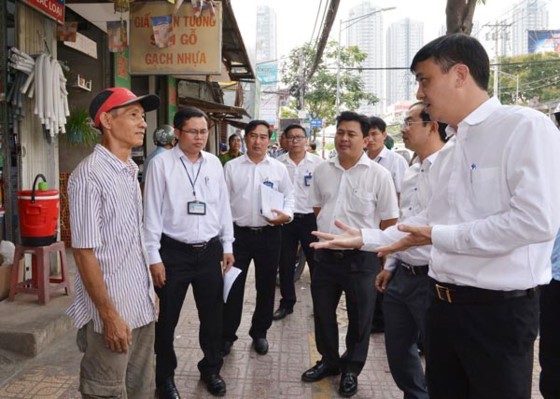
(189, 176)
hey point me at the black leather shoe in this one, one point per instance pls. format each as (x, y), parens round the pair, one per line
(281, 313)
(318, 372)
(215, 384)
(261, 346)
(226, 348)
(168, 390)
(348, 385)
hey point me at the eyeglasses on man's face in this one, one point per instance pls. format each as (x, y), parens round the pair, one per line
(295, 139)
(195, 132)
(408, 123)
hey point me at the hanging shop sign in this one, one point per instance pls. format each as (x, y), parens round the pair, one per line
(192, 45)
(51, 8)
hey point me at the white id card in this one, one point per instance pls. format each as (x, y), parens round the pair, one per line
(196, 208)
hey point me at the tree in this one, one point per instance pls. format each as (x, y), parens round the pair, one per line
(459, 14)
(319, 91)
(538, 74)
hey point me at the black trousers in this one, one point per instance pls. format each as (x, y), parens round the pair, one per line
(202, 269)
(351, 272)
(262, 247)
(482, 350)
(549, 344)
(299, 231)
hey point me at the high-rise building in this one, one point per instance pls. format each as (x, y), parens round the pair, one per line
(524, 16)
(404, 38)
(267, 64)
(367, 33)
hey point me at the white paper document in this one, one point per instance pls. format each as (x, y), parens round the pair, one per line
(271, 199)
(229, 279)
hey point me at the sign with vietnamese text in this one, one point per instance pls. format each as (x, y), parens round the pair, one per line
(195, 43)
(544, 41)
(51, 8)
(267, 74)
(122, 77)
(316, 123)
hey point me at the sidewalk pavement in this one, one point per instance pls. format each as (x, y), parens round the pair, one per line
(54, 372)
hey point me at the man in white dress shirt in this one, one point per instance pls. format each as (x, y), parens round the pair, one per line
(492, 220)
(301, 166)
(351, 187)
(257, 238)
(404, 279)
(189, 237)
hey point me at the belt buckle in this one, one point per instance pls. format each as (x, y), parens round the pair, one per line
(443, 293)
(338, 254)
(200, 246)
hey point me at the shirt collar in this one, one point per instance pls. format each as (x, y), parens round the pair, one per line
(245, 158)
(181, 155)
(364, 160)
(382, 154)
(113, 161)
(479, 115)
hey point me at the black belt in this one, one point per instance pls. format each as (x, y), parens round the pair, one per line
(412, 270)
(341, 254)
(451, 293)
(256, 229)
(302, 215)
(183, 246)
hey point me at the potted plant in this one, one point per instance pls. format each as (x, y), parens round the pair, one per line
(79, 128)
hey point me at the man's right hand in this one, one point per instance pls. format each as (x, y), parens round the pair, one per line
(382, 280)
(158, 274)
(116, 333)
(350, 238)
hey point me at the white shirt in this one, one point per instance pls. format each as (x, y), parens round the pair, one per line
(301, 176)
(106, 215)
(167, 193)
(415, 197)
(394, 163)
(243, 179)
(495, 209)
(361, 196)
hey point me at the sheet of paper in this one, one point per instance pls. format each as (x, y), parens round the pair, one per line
(270, 199)
(229, 279)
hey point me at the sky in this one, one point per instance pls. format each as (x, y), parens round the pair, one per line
(296, 18)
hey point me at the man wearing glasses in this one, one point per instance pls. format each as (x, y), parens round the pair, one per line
(404, 278)
(257, 237)
(353, 188)
(301, 166)
(189, 238)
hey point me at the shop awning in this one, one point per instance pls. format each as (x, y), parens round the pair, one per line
(214, 110)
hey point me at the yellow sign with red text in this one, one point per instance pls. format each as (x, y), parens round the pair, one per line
(194, 43)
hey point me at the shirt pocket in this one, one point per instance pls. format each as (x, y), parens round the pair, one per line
(486, 189)
(363, 202)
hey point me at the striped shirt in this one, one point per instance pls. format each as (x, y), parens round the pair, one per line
(106, 215)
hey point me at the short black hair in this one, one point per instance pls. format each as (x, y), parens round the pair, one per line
(426, 118)
(376, 122)
(454, 49)
(351, 116)
(294, 126)
(230, 138)
(257, 122)
(186, 113)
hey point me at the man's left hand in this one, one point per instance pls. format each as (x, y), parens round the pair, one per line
(227, 262)
(280, 218)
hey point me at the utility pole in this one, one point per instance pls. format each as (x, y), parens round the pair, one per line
(301, 81)
(496, 36)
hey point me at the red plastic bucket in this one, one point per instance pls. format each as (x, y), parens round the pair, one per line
(38, 215)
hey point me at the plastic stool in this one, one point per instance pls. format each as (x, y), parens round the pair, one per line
(41, 280)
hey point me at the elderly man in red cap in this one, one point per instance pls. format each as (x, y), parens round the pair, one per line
(114, 307)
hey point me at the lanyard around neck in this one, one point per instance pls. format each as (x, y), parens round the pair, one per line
(193, 182)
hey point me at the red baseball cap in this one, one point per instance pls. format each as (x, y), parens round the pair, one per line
(117, 97)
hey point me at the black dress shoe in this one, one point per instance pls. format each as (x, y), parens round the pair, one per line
(261, 346)
(281, 313)
(168, 390)
(348, 385)
(226, 348)
(318, 372)
(214, 384)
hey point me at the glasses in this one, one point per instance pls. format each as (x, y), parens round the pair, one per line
(194, 132)
(295, 139)
(406, 124)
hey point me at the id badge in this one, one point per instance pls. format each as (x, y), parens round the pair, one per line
(307, 180)
(196, 208)
(268, 183)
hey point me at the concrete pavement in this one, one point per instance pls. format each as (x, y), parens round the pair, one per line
(54, 372)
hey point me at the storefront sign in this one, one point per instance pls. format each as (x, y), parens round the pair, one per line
(195, 42)
(122, 77)
(51, 8)
(171, 97)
